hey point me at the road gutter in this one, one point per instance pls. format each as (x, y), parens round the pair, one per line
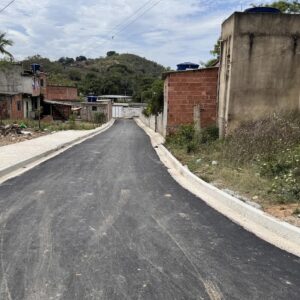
(22, 167)
(278, 233)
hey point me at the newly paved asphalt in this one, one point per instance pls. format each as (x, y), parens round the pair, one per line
(104, 220)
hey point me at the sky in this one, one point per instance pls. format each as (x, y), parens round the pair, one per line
(166, 31)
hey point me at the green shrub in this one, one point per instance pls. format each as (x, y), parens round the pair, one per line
(72, 122)
(192, 146)
(209, 134)
(99, 118)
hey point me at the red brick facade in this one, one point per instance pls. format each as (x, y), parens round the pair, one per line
(17, 111)
(4, 107)
(186, 89)
(61, 93)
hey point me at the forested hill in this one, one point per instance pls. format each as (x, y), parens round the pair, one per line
(114, 74)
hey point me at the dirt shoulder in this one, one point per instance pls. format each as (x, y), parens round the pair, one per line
(243, 183)
(17, 138)
(259, 163)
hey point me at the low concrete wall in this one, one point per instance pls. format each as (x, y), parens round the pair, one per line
(150, 122)
(131, 112)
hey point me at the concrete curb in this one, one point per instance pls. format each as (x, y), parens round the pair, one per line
(266, 227)
(7, 171)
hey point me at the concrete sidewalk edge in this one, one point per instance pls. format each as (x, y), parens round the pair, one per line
(12, 168)
(281, 234)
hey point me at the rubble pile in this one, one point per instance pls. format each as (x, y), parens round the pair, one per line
(15, 133)
(10, 129)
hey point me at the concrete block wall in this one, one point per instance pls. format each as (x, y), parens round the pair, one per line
(187, 89)
(260, 67)
(150, 122)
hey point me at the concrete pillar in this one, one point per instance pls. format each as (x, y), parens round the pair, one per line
(197, 117)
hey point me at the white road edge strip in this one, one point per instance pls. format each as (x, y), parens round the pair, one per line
(278, 233)
(35, 161)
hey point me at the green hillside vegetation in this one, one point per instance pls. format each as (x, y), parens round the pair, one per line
(114, 74)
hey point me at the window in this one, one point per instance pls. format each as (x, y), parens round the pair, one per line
(42, 82)
(94, 108)
(19, 105)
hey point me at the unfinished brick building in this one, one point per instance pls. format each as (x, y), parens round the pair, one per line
(190, 98)
(65, 93)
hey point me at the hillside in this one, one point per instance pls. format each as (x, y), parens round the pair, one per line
(114, 74)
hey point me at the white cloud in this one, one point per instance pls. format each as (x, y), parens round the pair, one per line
(171, 32)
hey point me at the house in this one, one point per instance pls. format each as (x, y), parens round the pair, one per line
(20, 91)
(259, 68)
(59, 101)
(89, 110)
(190, 97)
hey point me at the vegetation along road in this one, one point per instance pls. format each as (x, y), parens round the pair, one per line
(105, 220)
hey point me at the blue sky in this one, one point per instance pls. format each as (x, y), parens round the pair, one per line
(171, 32)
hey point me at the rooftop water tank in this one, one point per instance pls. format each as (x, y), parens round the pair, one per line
(35, 68)
(187, 66)
(263, 9)
(92, 98)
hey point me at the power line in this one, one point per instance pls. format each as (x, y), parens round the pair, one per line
(126, 25)
(134, 13)
(5, 7)
(139, 16)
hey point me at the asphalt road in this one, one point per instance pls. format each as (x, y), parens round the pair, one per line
(105, 220)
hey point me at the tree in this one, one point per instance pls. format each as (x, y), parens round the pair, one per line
(75, 75)
(66, 60)
(284, 6)
(4, 42)
(81, 58)
(111, 53)
(154, 97)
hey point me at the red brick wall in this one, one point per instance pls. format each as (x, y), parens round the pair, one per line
(15, 113)
(61, 93)
(185, 90)
(4, 107)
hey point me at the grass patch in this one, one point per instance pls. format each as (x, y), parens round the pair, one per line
(54, 126)
(260, 160)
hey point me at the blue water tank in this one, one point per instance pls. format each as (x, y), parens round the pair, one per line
(187, 66)
(35, 68)
(92, 98)
(263, 9)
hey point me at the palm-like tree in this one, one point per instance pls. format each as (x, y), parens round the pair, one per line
(4, 42)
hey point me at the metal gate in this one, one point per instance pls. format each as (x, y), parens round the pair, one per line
(117, 111)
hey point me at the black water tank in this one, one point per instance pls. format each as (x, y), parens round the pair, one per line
(187, 66)
(263, 9)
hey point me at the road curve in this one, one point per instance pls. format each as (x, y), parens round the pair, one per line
(105, 220)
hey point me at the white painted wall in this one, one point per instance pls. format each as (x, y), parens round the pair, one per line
(121, 111)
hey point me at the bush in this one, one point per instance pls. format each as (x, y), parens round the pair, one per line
(186, 136)
(262, 140)
(99, 118)
(209, 134)
(72, 121)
